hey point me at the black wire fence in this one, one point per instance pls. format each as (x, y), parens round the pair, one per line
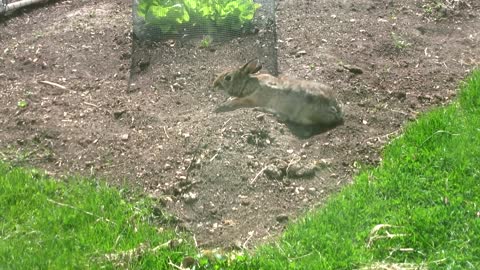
(198, 37)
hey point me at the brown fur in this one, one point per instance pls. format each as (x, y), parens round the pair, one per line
(298, 101)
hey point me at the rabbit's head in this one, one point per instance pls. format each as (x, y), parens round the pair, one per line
(234, 82)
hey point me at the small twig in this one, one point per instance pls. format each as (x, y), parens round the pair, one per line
(91, 104)
(244, 245)
(164, 245)
(174, 265)
(258, 174)
(165, 131)
(226, 122)
(438, 132)
(214, 156)
(300, 257)
(383, 136)
(293, 161)
(374, 233)
(54, 84)
(80, 210)
(426, 52)
(398, 111)
(195, 241)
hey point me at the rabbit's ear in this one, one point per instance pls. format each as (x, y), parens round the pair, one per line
(253, 66)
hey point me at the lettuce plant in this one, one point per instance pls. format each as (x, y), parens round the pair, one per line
(172, 16)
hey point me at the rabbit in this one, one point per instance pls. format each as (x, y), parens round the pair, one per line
(300, 102)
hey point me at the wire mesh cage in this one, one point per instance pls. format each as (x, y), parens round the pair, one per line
(173, 36)
(156, 19)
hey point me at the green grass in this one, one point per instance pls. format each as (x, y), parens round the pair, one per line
(420, 207)
(45, 224)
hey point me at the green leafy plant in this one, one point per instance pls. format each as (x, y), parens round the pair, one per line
(172, 16)
(399, 42)
(22, 104)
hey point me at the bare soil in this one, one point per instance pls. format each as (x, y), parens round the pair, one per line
(234, 178)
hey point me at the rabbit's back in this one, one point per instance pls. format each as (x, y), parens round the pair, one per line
(304, 102)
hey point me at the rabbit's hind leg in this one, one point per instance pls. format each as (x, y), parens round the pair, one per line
(280, 116)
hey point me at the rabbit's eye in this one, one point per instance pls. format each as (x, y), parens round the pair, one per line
(228, 78)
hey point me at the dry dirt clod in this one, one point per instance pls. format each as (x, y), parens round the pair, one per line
(273, 172)
(353, 69)
(301, 171)
(282, 218)
(124, 137)
(245, 202)
(190, 198)
(260, 117)
(177, 86)
(300, 53)
(167, 166)
(119, 114)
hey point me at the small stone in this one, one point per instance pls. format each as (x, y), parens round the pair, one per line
(260, 117)
(400, 95)
(282, 218)
(325, 161)
(353, 69)
(237, 245)
(299, 171)
(177, 86)
(228, 222)
(290, 151)
(163, 79)
(273, 172)
(307, 171)
(124, 137)
(119, 114)
(293, 169)
(300, 53)
(245, 202)
(282, 165)
(190, 197)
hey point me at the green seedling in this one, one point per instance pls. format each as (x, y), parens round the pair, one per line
(399, 42)
(22, 104)
(206, 41)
